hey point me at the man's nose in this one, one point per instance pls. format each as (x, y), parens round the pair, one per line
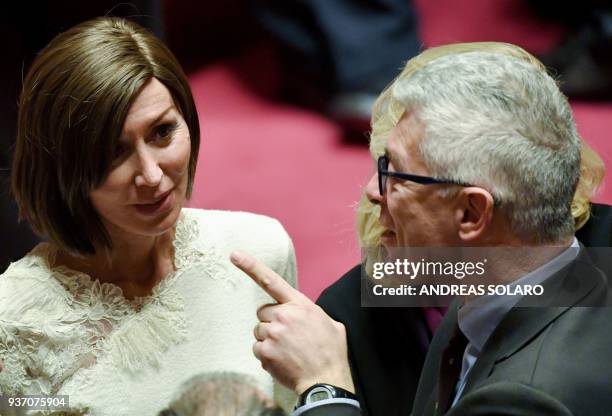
(372, 191)
(150, 173)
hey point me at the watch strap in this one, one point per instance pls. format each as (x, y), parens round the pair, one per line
(333, 392)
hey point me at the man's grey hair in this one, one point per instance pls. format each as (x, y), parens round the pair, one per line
(221, 394)
(499, 122)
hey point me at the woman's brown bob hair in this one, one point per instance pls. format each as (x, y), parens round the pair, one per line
(74, 102)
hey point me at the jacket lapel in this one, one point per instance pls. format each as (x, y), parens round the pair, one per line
(578, 284)
(427, 392)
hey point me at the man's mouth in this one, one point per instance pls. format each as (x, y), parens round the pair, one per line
(388, 237)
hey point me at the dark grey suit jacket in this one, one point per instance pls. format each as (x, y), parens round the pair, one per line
(554, 360)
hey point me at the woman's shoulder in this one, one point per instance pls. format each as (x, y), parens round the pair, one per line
(39, 297)
(234, 220)
(33, 308)
(234, 229)
(26, 283)
(222, 232)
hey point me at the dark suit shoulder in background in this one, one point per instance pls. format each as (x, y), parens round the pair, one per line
(597, 232)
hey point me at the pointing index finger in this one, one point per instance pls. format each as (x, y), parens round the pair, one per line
(273, 284)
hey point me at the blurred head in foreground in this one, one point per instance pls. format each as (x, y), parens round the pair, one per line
(221, 394)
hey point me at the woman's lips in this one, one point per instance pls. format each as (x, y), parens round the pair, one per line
(161, 205)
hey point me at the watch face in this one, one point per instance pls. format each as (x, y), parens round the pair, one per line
(317, 394)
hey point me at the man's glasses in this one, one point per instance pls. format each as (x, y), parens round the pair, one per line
(384, 173)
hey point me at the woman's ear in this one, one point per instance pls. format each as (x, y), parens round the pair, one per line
(473, 214)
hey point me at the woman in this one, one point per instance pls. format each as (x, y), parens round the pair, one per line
(132, 294)
(386, 385)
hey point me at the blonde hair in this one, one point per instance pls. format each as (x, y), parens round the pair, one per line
(387, 112)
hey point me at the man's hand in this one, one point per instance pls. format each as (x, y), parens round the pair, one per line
(297, 342)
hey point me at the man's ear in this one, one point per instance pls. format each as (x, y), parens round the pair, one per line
(473, 213)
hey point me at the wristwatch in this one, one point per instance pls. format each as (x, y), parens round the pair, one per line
(323, 391)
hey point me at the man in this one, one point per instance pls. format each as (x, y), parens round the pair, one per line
(485, 155)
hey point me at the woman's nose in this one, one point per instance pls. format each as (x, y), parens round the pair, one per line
(150, 173)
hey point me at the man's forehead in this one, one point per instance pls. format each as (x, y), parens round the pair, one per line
(403, 139)
(391, 150)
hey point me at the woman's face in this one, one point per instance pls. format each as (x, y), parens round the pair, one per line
(145, 189)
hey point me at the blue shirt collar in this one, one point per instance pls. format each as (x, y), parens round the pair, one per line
(478, 318)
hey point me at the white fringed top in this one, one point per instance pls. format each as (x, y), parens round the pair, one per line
(63, 333)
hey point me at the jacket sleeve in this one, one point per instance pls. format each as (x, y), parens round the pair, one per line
(330, 407)
(508, 399)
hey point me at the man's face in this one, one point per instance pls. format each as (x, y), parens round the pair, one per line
(412, 214)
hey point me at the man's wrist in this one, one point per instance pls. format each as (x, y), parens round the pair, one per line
(345, 407)
(323, 391)
(342, 379)
(327, 398)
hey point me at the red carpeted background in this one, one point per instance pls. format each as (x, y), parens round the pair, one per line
(263, 156)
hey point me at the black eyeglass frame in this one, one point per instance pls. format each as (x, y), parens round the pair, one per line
(384, 173)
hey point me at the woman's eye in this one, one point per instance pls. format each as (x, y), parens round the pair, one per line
(164, 131)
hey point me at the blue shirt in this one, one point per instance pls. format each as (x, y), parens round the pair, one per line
(478, 318)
